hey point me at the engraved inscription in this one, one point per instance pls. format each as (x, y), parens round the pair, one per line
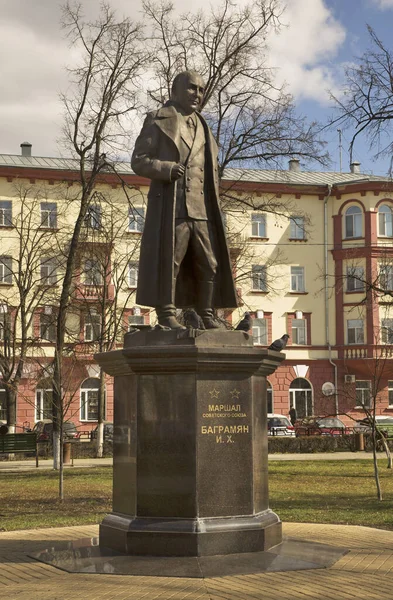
(226, 433)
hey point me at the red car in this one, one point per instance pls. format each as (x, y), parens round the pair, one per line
(321, 426)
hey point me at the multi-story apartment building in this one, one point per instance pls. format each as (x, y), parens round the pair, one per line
(312, 255)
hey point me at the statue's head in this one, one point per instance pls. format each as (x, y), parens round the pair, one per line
(187, 90)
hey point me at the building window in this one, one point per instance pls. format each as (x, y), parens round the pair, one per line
(135, 320)
(259, 331)
(6, 269)
(48, 271)
(390, 393)
(93, 218)
(386, 277)
(136, 219)
(355, 279)
(92, 327)
(93, 275)
(43, 401)
(297, 279)
(5, 213)
(299, 332)
(363, 394)
(385, 221)
(269, 397)
(297, 228)
(353, 222)
(89, 399)
(49, 215)
(258, 225)
(387, 331)
(259, 282)
(300, 397)
(132, 274)
(355, 332)
(5, 323)
(47, 325)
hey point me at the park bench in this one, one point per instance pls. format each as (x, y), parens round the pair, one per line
(11, 443)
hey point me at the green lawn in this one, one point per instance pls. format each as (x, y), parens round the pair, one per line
(304, 491)
(331, 492)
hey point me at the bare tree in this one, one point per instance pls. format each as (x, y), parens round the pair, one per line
(102, 94)
(254, 121)
(366, 101)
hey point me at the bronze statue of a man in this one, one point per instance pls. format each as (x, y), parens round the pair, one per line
(184, 257)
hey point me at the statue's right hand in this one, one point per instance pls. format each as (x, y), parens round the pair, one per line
(177, 171)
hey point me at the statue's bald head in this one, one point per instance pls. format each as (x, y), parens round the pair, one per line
(187, 90)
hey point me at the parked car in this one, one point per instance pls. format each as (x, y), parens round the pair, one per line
(44, 431)
(321, 426)
(108, 432)
(383, 423)
(279, 425)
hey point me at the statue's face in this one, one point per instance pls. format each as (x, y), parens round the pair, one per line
(189, 93)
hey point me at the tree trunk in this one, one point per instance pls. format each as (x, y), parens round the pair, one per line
(101, 416)
(375, 461)
(11, 408)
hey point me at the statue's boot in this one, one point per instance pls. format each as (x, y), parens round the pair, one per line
(166, 316)
(205, 303)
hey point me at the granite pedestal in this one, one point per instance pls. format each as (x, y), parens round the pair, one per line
(190, 445)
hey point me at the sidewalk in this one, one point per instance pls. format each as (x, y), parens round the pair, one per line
(364, 573)
(26, 465)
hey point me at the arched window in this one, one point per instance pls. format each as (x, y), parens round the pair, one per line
(3, 403)
(353, 222)
(89, 399)
(269, 397)
(44, 400)
(300, 396)
(385, 220)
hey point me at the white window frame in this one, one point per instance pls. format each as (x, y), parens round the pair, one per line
(5, 213)
(92, 274)
(387, 331)
(385, 221)
(356, 326)
(297, 228)
(86, 397)
(133, 272)
(365, 393)
(386, 277)
(259, 278)
(390, 393)
(355, 279)
(93, 218)
(136, 219)
(49, 215)
(297, 279)
(258, 225)
(295, 392)
(47, 327)
(41, 412)
(259, 331)
(353, 222)
(299, 332)
(92, 329)
(6, 269)
(48, 271)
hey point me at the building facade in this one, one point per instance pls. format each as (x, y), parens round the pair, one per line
(312, 257)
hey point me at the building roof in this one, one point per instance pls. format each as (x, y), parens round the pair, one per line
(272, 176)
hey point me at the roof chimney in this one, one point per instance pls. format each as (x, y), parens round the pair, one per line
(26, 148)
(294, 164)
(355, 167)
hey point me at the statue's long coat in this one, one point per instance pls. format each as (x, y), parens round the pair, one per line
(156, 151)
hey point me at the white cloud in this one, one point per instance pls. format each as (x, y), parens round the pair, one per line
(383, 4)
(303, 51)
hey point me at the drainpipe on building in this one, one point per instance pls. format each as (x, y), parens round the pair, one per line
(325, 217)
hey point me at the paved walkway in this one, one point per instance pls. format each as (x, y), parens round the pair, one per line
(25, 465)
(365, 573)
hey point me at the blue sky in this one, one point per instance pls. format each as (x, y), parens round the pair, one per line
(319, 38)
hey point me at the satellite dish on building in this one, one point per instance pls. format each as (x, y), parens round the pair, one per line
(328, 388)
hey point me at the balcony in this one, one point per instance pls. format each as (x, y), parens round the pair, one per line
(355, 352)
(94, 292)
